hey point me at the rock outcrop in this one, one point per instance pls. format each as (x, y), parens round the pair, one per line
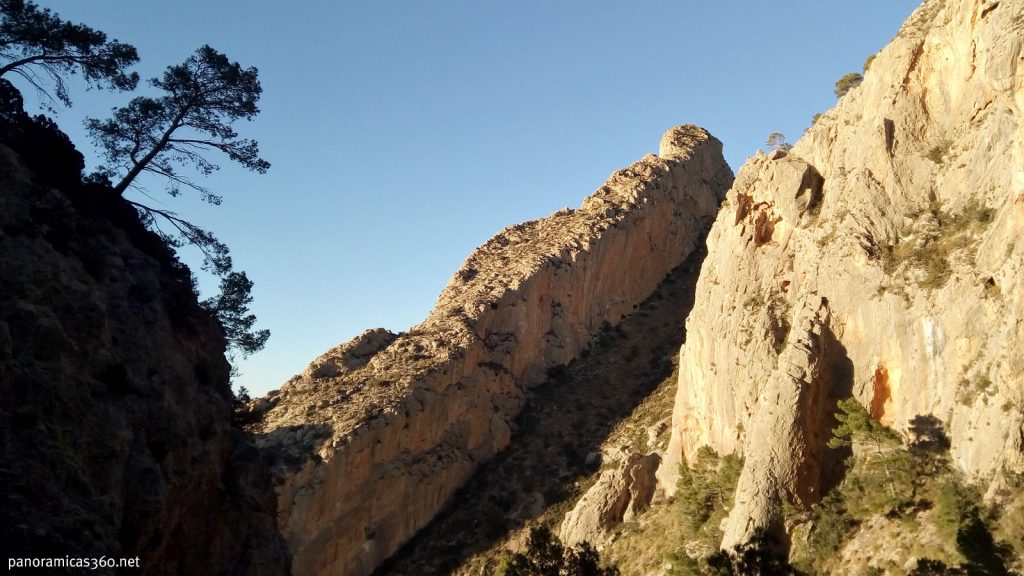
(115, 404)
(880, 257)
(793, 409)
(376, 436)
(618, 496)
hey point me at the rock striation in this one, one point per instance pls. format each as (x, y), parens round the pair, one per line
(882, 258)
(374, 438)
(115, 403)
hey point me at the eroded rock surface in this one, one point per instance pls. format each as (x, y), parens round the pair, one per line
(618, 496)
(903, 208)
(368, 454)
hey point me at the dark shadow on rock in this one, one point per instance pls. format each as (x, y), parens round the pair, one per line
(927, 434)
(839, 369)
(290, 447)
(565, 420)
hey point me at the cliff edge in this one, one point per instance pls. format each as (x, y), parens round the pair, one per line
(376, 435)
(115, 404)
(881, 258)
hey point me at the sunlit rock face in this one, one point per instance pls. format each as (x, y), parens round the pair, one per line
(882, 257)
(373, 439)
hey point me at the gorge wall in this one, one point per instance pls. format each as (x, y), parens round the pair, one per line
(881, 257)
(115, 403)
(371, 441)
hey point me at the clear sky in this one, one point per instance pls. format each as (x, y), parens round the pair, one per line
(404, 134)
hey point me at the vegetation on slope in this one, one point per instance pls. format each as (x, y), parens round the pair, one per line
(575, 425)
(902, 508)
(685, 531)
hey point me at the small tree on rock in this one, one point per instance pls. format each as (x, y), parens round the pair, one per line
(777, 141)
(847, 83)
(202, 98)
(868, 61)
(547, 556)
(885, 471)
(36, 44)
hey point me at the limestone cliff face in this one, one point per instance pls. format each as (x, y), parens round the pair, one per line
(881, 257)
(115, 407)
(619, 495)
(375, 437)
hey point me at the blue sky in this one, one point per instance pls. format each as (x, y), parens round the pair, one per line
(404, 134)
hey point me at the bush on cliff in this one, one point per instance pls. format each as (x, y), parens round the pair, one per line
(547, 556)
(887, 480)
(847, 82)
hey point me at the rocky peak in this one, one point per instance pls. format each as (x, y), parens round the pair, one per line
(368, 451)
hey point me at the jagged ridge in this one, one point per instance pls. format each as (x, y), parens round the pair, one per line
(370, 448)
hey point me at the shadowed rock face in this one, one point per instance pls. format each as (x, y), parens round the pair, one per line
(369, 451)
(115, 406)
(897, 220)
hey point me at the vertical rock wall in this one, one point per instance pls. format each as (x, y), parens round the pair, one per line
(902, 211)
(115, 405)
(375, 437)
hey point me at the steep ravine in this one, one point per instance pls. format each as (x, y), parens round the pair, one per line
(375, 437)
(556, 450)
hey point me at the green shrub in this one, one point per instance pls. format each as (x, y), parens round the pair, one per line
(832, 525)
(705, 490)
(847, 83)
(704, 495)
(932, 254)
(547, 556)
(898, 481)
(868, 61)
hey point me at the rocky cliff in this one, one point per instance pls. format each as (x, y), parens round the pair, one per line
(376, 435)
(882, 258)
(115, 406)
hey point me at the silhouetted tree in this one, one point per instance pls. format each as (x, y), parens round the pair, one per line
(242, 396)
(927, 434)
(203, 97)
(36, 44)
(231, 307)
(930, 567)
(45, 150)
